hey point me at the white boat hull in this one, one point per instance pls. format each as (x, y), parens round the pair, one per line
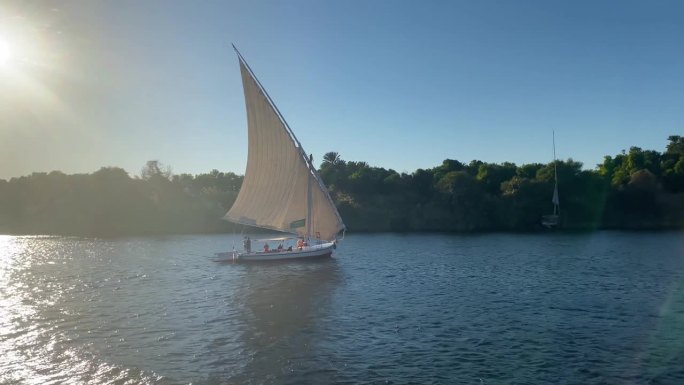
(550, 221)
(307, 252)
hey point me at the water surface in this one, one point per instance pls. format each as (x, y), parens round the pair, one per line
(603, 308)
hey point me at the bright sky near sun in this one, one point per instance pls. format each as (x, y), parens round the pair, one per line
(398, 84)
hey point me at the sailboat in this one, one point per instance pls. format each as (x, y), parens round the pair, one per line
(281, 190)
(553, 220)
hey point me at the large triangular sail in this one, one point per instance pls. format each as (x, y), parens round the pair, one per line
(281, 189)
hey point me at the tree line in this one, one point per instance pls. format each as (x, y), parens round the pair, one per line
(110, 202)
(637, 189)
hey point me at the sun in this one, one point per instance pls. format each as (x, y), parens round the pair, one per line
(5, 53)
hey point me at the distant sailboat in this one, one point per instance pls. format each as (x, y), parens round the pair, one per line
(281, 190)
(553, 220)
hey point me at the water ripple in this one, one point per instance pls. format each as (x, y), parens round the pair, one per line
(605, 308)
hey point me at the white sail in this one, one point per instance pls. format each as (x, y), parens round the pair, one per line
(281, 189)
(554, 219)
(555, 200)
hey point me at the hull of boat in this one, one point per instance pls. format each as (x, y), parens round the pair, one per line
(308, 252)
(550, 221)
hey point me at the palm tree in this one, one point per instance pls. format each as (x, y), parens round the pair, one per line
(332, 158)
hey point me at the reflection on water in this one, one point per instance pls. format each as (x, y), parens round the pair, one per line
(493, 309)
(154, 311)
(41, 335)
(284, 304)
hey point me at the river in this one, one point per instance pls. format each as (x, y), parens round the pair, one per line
(599, 308)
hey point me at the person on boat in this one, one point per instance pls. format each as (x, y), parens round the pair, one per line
(247, 244)
(266, 247)
(300, 243)
(280, 247)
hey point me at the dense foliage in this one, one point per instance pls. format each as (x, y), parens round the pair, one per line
(638, 189)
(110, 202)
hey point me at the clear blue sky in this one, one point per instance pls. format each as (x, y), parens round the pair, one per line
(399, 84)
